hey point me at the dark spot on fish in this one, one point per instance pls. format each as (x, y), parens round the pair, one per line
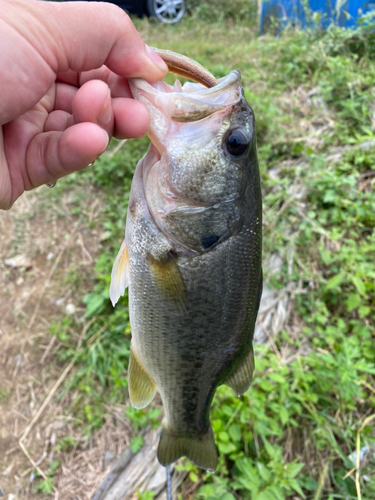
(208, 241)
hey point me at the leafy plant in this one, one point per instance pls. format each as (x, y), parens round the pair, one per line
(46, 485)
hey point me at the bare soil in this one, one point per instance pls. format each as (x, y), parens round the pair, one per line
(55, 246)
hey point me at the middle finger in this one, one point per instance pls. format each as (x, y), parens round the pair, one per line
(92, 103)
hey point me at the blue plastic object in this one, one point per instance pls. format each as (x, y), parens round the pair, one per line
(312, 12)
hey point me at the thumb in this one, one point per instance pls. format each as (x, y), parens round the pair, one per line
(81, 36)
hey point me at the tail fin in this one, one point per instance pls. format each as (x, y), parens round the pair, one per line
(201, 450)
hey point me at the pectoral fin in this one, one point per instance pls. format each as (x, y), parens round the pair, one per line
(120, 274)
(142, 388)
(241, 379)
(169, 280)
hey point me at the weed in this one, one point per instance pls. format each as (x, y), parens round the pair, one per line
(146, 495)
(65, 444)
(46, 485)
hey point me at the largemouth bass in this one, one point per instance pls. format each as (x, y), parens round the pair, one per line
(191, 258)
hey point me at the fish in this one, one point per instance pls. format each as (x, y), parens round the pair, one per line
(191, 258)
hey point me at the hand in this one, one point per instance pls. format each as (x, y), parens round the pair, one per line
(63, 88)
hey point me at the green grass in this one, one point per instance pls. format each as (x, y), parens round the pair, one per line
(291, 434)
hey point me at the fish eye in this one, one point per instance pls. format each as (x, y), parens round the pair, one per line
(236, 142)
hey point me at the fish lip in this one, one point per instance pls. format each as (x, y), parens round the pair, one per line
(226, 81)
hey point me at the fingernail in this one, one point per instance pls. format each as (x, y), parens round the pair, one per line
(107, 139)
(106, 113)
(157, 60)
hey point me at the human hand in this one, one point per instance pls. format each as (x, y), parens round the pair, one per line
(63, 88)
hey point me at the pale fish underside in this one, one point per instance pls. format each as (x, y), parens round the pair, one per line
(191, 258)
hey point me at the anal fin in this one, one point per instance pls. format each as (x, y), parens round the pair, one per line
(241, 379)
(142, 388)
(201, 450)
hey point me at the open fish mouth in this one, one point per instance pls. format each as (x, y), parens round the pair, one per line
(172, 106)
(192, 101)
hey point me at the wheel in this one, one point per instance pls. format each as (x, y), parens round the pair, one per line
(167, 11)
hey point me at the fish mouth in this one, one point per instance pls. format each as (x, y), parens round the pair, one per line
(171, 106)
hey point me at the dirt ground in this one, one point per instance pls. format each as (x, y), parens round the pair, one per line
(41, 243)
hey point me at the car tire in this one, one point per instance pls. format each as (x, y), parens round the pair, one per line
(166, 11)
